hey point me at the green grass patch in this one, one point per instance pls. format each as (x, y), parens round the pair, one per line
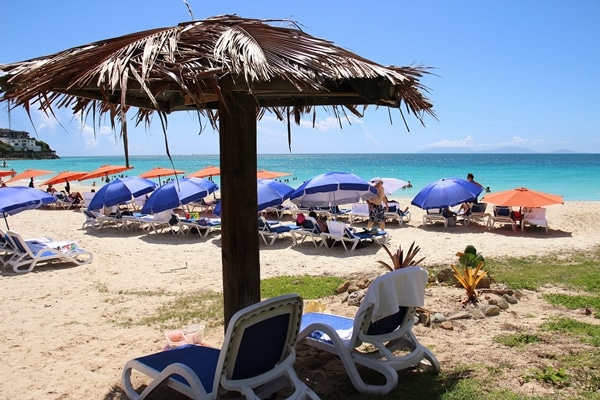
(574, 302)
(588, 333)
(517, 340)
(191, 308)
(549, 375)
(308, 287)
(577, 272)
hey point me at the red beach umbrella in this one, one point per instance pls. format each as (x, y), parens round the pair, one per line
(7, 173)
(105, 170)
(29, 173)
(205, 172)
(523, 197)
(64, 176)
(264, 174)
(158, 172)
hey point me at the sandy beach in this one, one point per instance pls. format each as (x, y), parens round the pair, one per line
(65, 329)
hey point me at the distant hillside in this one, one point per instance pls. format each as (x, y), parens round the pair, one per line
(499, 150)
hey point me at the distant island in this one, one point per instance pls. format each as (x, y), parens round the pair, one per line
(18, 145)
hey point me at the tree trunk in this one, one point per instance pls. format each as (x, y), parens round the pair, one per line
(239, 214)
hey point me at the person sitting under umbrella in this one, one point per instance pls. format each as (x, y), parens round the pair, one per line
(465, 208)
(378, 207)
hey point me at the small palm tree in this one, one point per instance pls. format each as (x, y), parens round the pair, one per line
(398, 259)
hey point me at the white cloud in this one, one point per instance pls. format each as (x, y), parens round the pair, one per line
(466, 142)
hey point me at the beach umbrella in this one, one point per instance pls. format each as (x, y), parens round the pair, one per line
(264, 174)
(446, 192)
(104, 171)
(7, 173)
(390, 185)
(523, 197)
(333, 189)
(120, 190)
(15, 199)
(205, 172)
(64, 177)
(272, 193)
(158, 172)
(29, 173)
(178, 193)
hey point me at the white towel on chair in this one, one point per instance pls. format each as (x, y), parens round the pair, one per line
(404, 287)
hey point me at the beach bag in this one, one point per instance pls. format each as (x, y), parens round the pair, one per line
(300, 219)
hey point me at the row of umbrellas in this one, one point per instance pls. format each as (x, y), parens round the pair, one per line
(105, 170)
(323, 190)
(329, 189)
(448, 192)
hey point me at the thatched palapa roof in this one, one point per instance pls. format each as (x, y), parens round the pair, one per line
(186, 67)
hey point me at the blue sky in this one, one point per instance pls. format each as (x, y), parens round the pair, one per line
(514, 73)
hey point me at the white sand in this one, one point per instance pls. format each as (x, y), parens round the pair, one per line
(59, 336)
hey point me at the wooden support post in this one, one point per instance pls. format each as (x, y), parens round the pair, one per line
(239, 214)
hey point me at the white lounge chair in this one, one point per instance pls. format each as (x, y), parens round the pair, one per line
(501, 215)
(204, 226)
(434, 215)
(349, 237)
(270, 231)
(534, 216)
(256, 359)
(382, 325)
(151, 222)
(476, 213)
(29, 253)
(7, 249)
(358, 212)
(394, 213)
(309, 228)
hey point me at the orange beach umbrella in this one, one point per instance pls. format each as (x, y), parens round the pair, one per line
(157, 172)
(7, 173)
(523, 197)
(264, 174)
(29, 173)
(204, 172)
(105, 170)
(64, 176)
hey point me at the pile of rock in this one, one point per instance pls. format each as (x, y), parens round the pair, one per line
(491, 301)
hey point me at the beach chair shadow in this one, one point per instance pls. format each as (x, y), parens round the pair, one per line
(256, 360)
(382, 325)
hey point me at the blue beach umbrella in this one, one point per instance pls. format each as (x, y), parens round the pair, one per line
(121, 190)
(15, 199)
(272, 193)
(333, 189)
(177, 193)
(446, 192)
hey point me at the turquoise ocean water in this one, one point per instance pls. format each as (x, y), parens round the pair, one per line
(574, 176)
